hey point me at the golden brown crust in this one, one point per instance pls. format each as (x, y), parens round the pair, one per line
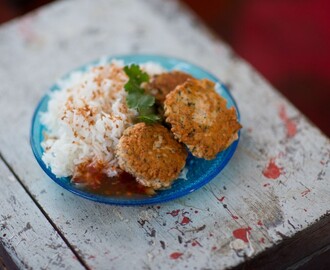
(151, 154)
(162, 84)
(200, 119)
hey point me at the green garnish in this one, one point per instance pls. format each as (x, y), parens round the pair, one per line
(136, 97)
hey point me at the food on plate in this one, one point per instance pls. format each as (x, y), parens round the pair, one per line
(151, 154)
(162, 84)
(105, 132)
(85, 121)
(200, 119)
(136, 97)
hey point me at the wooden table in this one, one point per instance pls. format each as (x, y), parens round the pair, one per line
(268, 209)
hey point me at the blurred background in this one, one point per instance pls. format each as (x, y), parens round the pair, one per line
(287, 41)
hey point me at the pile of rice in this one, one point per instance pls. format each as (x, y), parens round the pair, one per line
(87, 117)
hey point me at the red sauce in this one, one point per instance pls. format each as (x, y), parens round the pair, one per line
(123, 185)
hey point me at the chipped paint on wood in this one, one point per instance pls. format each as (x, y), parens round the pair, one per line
(24, 231)
(272, 171)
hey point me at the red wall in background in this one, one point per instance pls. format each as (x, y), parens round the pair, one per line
(286, 41)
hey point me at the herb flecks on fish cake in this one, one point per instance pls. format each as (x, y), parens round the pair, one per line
(200, 119)
(151, 154)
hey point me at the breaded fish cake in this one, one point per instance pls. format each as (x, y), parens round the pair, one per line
(151, 154)
(162, 84)
(200, 119)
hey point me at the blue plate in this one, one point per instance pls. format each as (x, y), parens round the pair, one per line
(200, 171)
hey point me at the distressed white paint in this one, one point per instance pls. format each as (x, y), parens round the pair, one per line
(25, 233)
(41, 47)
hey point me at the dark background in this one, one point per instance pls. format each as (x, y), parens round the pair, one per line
(287, 41)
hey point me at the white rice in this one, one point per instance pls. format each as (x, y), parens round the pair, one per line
(87, 117)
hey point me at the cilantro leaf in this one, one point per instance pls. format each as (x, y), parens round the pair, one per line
(139, 101)
(136, 78)
(132, 100)
(132, 86)
(135, 73)
(147, 115)
(146, 101)
(136, 97)
(149, 118)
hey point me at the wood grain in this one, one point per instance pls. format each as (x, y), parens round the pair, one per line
(27, 239)
(276, 185)
(294, 252)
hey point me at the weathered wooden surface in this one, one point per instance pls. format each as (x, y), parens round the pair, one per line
(25, 234)
(276, 185)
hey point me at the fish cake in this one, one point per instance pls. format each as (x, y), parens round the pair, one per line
(200, 119)
(151, 154)
(162, 84)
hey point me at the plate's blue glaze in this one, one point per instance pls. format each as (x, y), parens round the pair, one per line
(200, 171)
